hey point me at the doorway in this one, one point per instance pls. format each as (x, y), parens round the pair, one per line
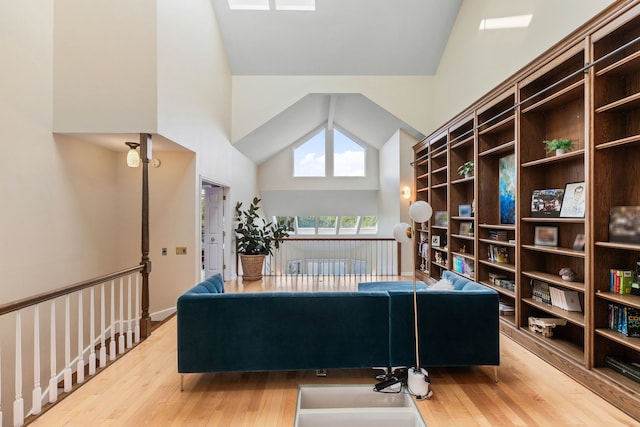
(212, 199)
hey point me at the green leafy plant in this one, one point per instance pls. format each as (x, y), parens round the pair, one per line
(466, 168)
(558, 144)
(255, 236)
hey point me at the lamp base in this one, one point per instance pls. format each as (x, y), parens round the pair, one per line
(418, 383)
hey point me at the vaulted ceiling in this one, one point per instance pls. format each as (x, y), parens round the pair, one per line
(341, 37)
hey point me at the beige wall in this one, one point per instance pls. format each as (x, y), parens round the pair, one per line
(474, 62)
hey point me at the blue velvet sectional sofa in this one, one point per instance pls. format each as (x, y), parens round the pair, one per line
(226, 332)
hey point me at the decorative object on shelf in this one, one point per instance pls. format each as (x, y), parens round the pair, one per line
(466, 228)
(573, 201)
(499, 235)
(546, 203)
(567, 274)
(545, 325)
(464, 210)
(438, 258)
(507, 189)
(545, 236)
(624, 224)
(466, 169)
(578, 243)
(559, 146)
(435, 240)
(441, 218)
(256, 238)
(420, 212)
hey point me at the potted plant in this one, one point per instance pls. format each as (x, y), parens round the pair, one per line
(466, 169)
(560, 145)
(256, 238)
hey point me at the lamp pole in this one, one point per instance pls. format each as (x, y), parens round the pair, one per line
(145, 156)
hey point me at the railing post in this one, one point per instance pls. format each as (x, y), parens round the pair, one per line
(145, 150)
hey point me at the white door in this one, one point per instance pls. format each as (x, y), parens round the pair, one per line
(213, 244)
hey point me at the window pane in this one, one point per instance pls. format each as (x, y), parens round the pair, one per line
(369, 225)
(306, 224)
(348, 225)
(327, 224)
(348, 157)
(308, 159)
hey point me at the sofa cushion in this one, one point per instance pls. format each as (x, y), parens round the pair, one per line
(215, 283)
(392, 285)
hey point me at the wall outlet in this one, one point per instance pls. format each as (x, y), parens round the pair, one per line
(181, 250)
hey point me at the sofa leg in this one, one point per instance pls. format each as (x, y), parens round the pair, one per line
(181, 382)
(495, 373)
(321, 372)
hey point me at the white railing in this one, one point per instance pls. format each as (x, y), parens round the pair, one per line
(73, 327)
(335, 257)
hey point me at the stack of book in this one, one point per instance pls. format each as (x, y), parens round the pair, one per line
(540, 291)
(463, 266)
(500, 235)
(498, 253)
(507, 309)
(620, 281)
(625, 320)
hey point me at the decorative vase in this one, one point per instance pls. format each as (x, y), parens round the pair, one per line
(252, 266)
(560, 151)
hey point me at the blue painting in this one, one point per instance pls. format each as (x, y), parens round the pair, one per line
(508, 189)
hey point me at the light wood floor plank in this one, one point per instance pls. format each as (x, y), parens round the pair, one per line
(143, 388)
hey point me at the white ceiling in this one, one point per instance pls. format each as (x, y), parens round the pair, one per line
(341, 37)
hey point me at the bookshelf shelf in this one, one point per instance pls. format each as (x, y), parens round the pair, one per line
(574, 317)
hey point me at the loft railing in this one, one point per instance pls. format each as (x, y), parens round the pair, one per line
(87, 325)
(299, 256)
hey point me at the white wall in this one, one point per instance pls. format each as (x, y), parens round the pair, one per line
(257, 99)
(474, 61)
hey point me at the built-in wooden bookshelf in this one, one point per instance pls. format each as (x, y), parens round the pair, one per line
(586, 89)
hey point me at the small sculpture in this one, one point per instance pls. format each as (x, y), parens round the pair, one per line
(567, 274)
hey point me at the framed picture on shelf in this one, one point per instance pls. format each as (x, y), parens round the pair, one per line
(464, 210)
(507, 189)
(546, 236)
(435, 241)
(624, 224)
(573, 202)
(578, 244)
(441, 218)
(546, 203)
(466, 228)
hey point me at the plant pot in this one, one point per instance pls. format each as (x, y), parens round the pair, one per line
(560, 151)
(468, 175)
(252, 266)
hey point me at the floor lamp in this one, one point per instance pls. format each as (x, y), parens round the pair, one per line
(419, 212)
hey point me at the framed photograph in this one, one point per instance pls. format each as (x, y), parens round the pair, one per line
(578, 244)
(573, 201)
(624, 224)
(435, 241)
(441, 218)
(546, 236)
(464, 210)
(546, 203)
(465, 228)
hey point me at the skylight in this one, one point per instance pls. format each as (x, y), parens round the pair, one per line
(304, 5)
(519, 21)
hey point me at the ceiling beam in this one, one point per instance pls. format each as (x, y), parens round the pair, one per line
(332, 111)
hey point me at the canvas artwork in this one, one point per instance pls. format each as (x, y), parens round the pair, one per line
(507, 189)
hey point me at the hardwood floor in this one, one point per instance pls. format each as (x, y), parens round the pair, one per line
(143, 388)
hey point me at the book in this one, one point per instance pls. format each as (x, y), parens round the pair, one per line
(540, 291)
(565, 299)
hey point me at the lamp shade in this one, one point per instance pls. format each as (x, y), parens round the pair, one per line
(402, 232)
(420, 211)
(133, 158)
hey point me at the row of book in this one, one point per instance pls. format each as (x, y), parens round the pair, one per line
(620, 281)
(625, 320)
(463, 266)
(562, 298)
(498, 253)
